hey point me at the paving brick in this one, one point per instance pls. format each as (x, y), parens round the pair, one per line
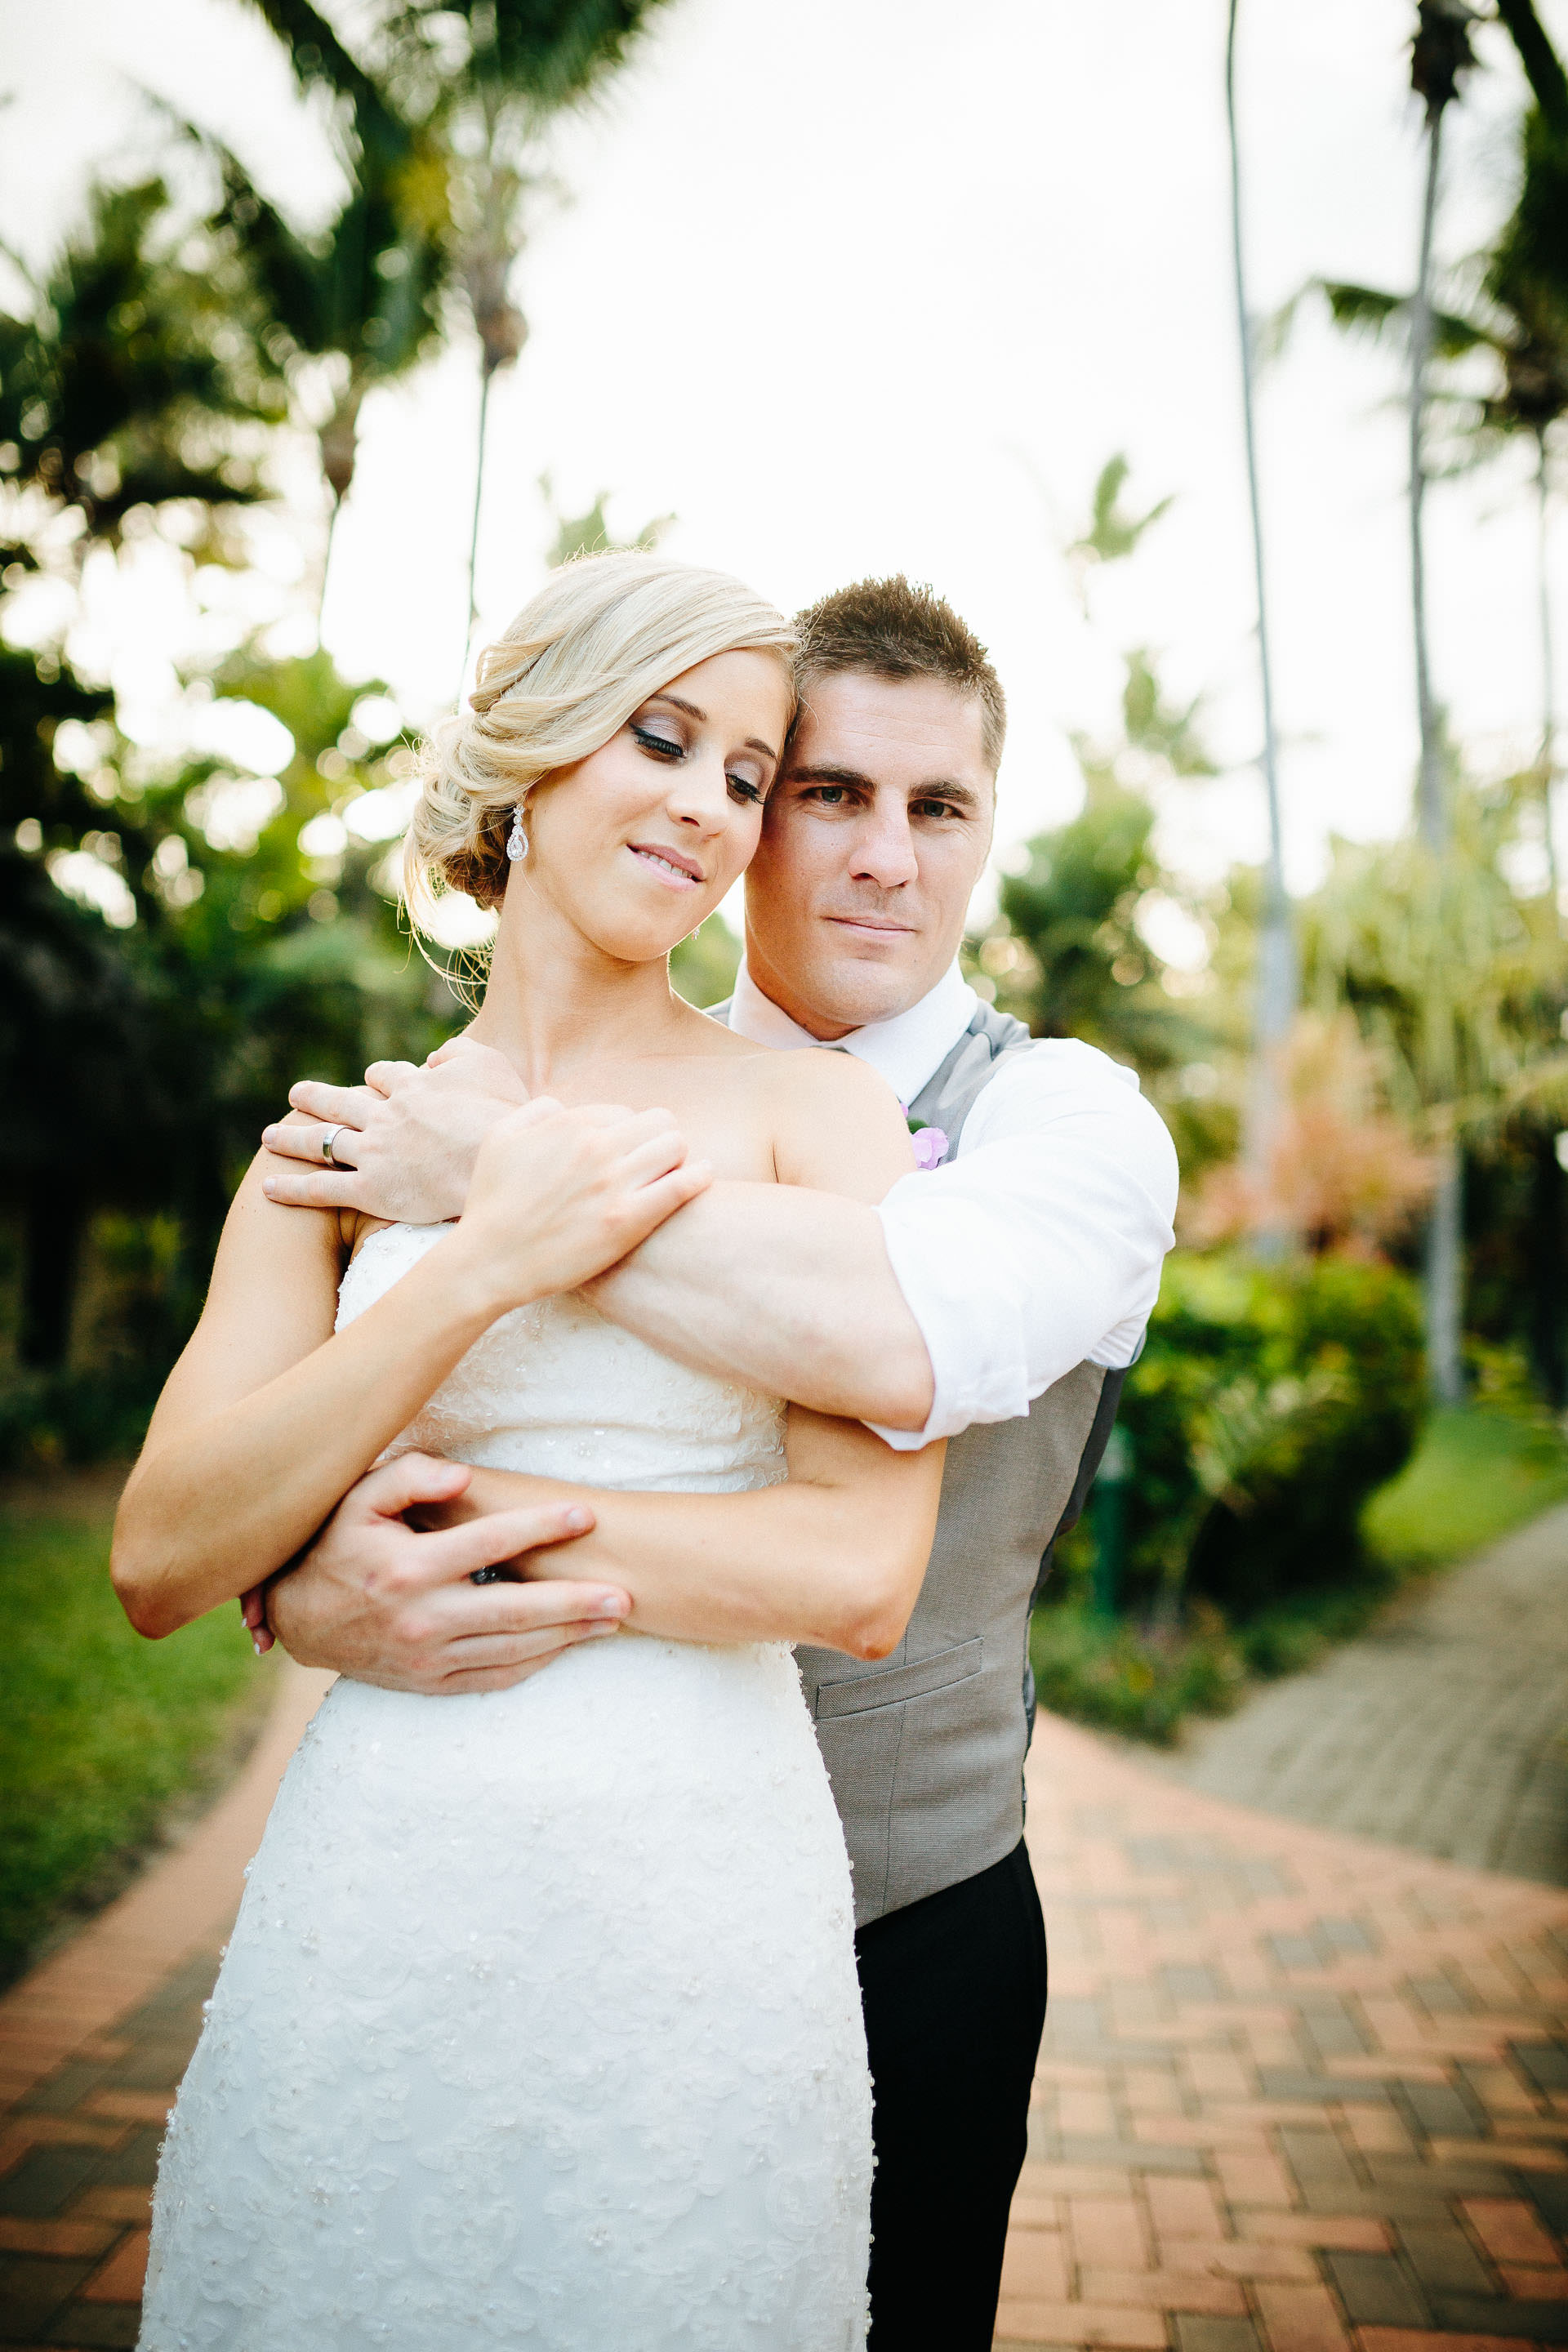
(1359, 2234)
(1411, 2339)
(1035, 2267)
(1182, 2208)
(119, 2279)
(87, 2326)
(31, 2291)
(1508, 2229)
(1443, 2258)
(1437, 2108)
(1253, 2179)
(1376, 2291)
(1548, 2285)
(1318, 2161)
(1300, 2319)
(1198, 2291)
(1240, 2258)
(1108, 2232)
(1546, 2063)
(1206, 2334)
(46, 2178)
(76, 2240)
(1121, 2326)
(1474, 2314)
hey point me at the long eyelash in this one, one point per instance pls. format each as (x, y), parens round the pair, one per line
(747, 791)
(659, 743)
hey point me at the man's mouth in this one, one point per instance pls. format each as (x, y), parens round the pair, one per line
(877, 926)
(671, 866)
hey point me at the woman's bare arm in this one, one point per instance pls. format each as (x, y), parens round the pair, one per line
(270, 1418)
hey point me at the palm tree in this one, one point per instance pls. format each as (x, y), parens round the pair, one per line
(529, 61)
(478, 84)
(1276, 979)
(368, 294)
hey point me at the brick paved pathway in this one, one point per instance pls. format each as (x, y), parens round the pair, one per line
(1299, 2093)
(1446, 1727)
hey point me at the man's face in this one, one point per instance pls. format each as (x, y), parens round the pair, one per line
(874, 838)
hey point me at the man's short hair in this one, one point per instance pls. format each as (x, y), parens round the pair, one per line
(899, 628)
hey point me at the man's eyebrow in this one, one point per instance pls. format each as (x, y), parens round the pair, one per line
(829, 775)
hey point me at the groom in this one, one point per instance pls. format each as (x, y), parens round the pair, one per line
(996, 1301)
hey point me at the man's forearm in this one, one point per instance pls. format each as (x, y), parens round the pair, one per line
(787, 1290)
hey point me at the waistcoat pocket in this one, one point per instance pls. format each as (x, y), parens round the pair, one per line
(855, 1693)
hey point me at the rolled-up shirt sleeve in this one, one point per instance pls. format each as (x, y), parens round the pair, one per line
(1039, 1245)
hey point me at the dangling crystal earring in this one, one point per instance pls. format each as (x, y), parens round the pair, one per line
(517, 840)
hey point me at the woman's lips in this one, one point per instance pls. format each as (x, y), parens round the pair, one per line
(670, 866)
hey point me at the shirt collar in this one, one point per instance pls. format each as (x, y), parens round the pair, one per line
(906, 1050)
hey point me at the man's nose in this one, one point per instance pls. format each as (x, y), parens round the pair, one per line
(885, 851)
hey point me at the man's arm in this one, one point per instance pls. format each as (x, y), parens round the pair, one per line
(790, 1291)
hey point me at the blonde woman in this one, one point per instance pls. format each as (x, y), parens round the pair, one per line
(540, 2022)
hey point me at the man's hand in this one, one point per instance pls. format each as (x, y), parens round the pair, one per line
(387, 1605)
(409, 1136)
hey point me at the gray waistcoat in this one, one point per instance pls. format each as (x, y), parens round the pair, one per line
(925, 1748)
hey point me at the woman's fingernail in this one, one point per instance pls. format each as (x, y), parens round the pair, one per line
(600, 1629)
(614, 1604)
(577, 1520)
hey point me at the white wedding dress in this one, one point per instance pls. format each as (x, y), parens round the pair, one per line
(539, 2025)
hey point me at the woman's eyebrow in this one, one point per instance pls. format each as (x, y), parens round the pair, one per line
(689, 707)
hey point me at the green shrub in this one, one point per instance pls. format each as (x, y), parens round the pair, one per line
(1267, 1405)
(1119, 1677)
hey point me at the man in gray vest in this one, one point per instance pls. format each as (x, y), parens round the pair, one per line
(993, 1299)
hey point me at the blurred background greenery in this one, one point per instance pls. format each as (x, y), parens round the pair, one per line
(1360, 1361)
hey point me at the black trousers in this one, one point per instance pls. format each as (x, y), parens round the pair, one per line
(954, 1988)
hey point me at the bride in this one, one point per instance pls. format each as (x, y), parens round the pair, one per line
(540, 2023)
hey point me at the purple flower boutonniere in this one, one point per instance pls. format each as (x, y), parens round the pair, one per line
(931, 1143)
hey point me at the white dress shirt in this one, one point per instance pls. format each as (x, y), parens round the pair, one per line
(1039, 1243)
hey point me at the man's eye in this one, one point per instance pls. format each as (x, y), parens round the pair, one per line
(932, 808)
(827, 796)
(669, 745)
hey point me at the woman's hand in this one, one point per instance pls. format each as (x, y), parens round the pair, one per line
(558, 1195)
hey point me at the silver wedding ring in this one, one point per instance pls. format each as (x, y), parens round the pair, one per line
(329, 1138)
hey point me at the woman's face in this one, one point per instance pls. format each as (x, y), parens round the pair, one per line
(637, 842)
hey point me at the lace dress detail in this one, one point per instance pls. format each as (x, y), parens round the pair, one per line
(540, 2026)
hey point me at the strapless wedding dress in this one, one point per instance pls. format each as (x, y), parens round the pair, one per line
(539, 2025)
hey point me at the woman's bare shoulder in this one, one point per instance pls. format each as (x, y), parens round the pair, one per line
(837, 1124)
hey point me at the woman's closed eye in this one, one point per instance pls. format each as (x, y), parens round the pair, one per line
(745, 788)
(665, 746)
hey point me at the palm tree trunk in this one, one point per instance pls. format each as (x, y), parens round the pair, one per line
(1548, 693)
(486, 374)
(1431, 814)
(1443, 1271)
(1277, 974)
(1443, 1268)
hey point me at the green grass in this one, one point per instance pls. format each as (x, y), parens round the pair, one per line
(1478, 1471)
(101, 1732)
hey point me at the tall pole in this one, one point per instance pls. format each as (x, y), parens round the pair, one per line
(1431, 811)
(1548, 685)
(1443, 1244)
(1276, 976)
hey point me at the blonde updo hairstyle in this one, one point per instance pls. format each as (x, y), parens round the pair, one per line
(602, 634)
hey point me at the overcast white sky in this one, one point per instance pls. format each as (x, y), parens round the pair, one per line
(855, 286)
